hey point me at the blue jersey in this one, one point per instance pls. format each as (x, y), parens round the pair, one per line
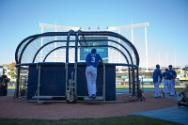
(171, 74)
(157, 76)
(165, 75)
(93, 59)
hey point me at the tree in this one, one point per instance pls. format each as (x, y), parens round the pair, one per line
(11, 68)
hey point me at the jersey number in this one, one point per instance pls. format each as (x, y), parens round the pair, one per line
(92, 59)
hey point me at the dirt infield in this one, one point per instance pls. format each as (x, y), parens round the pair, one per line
(15, 108)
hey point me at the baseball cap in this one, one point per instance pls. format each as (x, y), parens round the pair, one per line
(157, 66)
(170, 66)
(93, 50)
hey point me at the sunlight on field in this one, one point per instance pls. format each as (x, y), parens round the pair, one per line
(147, 86)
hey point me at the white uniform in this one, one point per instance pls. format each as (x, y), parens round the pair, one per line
(172, 87)
(92, 61)
(156, 89)
(172, 77)
(166, 83)
(156, 80)
(165, 89)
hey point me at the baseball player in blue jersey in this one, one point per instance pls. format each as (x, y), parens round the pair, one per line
(165, 82)
(92, 60)
(157, 77)
(171, 77)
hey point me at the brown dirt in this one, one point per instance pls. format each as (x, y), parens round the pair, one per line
(16, 108)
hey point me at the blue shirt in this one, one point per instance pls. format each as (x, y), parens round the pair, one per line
(93, 59)
(157, 76)
(171, 74)
(165, 75)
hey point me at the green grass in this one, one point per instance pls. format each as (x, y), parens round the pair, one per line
(149, 86)
(128, 120)
(11, 87)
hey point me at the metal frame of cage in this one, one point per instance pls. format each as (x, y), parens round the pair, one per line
(132, 64)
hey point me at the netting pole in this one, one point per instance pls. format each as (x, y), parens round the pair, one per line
(38, 82)
(18, 82)
(104, 82)
(133, 81)
(137, 79)
(130, 87)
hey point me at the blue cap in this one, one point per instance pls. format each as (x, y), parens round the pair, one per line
(157, 66)
(170, 66)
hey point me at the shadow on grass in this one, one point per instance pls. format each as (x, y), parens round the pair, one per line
(127, 120)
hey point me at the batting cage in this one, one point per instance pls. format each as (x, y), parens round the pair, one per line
(51, 66)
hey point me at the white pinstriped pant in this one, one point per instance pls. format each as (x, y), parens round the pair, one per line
(91, 77)
(156, 89)
(166, 86)
(172, 87)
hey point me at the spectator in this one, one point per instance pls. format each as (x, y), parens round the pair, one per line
(4, 85)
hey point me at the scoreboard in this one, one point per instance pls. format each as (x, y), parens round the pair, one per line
(102, 51)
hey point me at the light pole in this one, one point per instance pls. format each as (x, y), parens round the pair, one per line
(132, 27)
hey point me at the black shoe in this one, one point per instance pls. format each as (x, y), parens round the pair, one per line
(89, 97)
(93, 96)
(179, 104)
(172, 95)
(157, 97)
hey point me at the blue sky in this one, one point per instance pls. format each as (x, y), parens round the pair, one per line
(167, 33)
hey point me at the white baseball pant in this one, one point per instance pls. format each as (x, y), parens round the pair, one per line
(91, 77)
